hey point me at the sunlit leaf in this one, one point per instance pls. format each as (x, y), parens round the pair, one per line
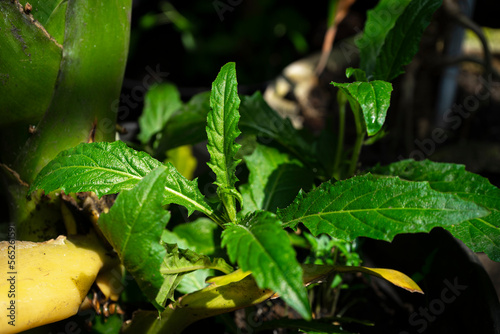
(260, 245)
(376, 208)
(133, 227)
(104, 168)
(374, 98)
(480, 234)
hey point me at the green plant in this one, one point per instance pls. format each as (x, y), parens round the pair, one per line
(249, 224)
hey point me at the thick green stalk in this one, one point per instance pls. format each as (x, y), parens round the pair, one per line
(83, 105)
(342, 101)
(360, 136)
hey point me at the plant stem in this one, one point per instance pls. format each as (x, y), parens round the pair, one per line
(360, 136)
(342, 101)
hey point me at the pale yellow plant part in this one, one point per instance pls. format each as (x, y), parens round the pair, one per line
(50, 282)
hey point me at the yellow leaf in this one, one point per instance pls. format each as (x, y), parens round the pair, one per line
(183, 160)
(313, 273)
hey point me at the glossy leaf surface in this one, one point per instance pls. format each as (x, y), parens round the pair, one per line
(480, 234)
(376, 208)
(374, 98)
(133, 227)
(260, 245)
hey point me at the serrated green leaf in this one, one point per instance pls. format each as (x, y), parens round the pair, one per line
(377, 208)
(182, 191)
(104, 168)
(379, 22)
(374, 97)
(187, 125)
(222, 127)
(403, 40)
(133, 227)
(160, 103)
(260, 245)
(222, 131)
(108, 168)
(481, 234)
(274, 180)
(201, 236)
(259, 119)
(179, 262)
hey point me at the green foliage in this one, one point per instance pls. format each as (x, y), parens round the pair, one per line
(104, 168)
(179, 262)
(160, 103)
(259, 119)
(274, 180)
(133, 227)
(222, 131)
(185, 260)
(480, 234)
(201, 236)
(184, 192)
(376, 208)
(405, 197)
(374, 98)
(379, 22)
(402, 41)
(391, 36)
(187, 125)
(260, 245)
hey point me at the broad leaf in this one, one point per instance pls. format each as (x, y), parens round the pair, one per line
(374, 98)
(182, 191)
(179, 262)
(259, 119)
(104, 168)
(402, 41)
(260, 245)
(187, 125)
(133, 227)
(160, 103)
(195, 281)
(222, 127)
(274, 180)
(377, 208)
(202, 236)
(379, 22)
(481, 234)
(108, 168)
